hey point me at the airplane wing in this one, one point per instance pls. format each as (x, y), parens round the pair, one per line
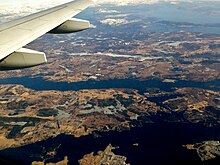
(16, 34)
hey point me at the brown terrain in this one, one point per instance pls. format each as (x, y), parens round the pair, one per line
(206, 150)
(103, 158)
(28, 116)
(182, 55)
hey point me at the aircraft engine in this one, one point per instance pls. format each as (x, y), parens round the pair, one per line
(22, 58)
(71, 26)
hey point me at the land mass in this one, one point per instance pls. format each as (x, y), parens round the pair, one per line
(180, 55)
(206, 150)
(28, 116)
(103, 157)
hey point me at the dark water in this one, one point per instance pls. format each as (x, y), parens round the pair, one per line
(159, 144)
(41, 84)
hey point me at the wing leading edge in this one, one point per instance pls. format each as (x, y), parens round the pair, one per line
(16, 34)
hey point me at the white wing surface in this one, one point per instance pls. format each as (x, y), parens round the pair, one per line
(16, 34)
